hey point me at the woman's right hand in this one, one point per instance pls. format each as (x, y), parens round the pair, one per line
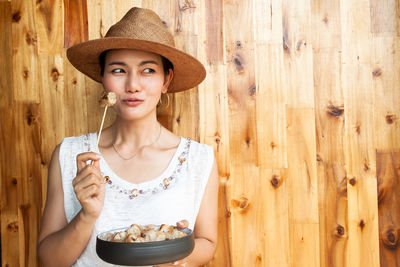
(89, 185)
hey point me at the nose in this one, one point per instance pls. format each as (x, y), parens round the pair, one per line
(132, 83)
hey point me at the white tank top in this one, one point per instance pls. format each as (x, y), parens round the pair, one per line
(173, 196)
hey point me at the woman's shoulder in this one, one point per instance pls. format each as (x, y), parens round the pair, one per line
(79, 142)
(200, 150)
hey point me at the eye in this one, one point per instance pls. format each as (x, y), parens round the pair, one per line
(148, 70)
(117, 71)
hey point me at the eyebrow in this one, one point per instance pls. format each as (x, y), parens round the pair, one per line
(140, 64)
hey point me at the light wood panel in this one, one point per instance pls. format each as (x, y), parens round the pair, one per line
(301, 104)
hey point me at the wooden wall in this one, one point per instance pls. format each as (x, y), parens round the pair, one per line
(301, 103)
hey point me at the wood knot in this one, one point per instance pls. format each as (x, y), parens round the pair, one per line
(285, 46)
(362, 224)
(178, 120)
(228, 214)
(325, 19)
(335, 111)
(74, 81)
(247, 140)
(25, 207)
(238, 44)
(299, 44)
(366, 166)
(276, 181)
(390, 118)
(165, 24)
(31, 119)
(352, 181)
(377, 72)
(242, 204)
(16, 17)
(13, 226)
(339, 231)
(189, 4)
(259, 258)
(55, 74)
(391, 238)
(217, 140)
(357, 128)
(25, 74)
(30, 40)
(14, 181)
(238, 62)
(273, 145)
(252, 90)
(319, 158)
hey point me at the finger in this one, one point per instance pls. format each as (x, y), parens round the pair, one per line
(87, 171)
(87, 193)
(182, 224)
(87, 181)
(82, 158)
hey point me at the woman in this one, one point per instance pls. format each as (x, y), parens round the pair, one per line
(140, 172)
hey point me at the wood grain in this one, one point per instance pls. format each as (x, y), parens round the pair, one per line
(388, 174)
(75, 22)
(25, 58)
(6, 95)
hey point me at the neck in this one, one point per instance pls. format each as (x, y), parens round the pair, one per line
(134, 134)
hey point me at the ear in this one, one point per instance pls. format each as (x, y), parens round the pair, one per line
(167, 81)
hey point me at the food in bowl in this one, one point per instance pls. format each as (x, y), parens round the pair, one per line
(145, 233)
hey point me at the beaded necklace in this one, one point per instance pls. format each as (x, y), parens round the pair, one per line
(165, 183)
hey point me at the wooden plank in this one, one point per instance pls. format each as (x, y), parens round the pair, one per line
(273, 210)
(27, 159)
(49, 24)
(296, 22)
(186, 103)
(75, 113)
(268, 21)
(363, 242)
(330, 157)
(214, 28)
(302, 187)
(386, 87)
(75, 22)
(6, 92)
(383, 17)
(24, 40)
(213, 102)
(271, 106)
(272, 219)
(52, 119)
(329, 109)
(301, 142)
(388, 174)
(246, 187)
(10, 180)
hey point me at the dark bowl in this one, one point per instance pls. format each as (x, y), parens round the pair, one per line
(146, 253)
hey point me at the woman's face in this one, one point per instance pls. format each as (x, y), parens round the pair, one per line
(138, 79)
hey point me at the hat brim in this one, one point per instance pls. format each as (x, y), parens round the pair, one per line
(188, 71)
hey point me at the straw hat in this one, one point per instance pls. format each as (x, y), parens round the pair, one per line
(140, 29)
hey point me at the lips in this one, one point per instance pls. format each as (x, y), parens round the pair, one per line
(132, 102)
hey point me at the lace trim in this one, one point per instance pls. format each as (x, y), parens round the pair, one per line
(164, 185)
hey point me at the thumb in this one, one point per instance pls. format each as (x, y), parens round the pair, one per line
(96, 163)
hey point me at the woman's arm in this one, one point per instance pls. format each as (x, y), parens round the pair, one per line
(60, 243)
(206, 227)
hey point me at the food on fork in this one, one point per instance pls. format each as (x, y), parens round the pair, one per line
(108, 99)
(145, 233)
